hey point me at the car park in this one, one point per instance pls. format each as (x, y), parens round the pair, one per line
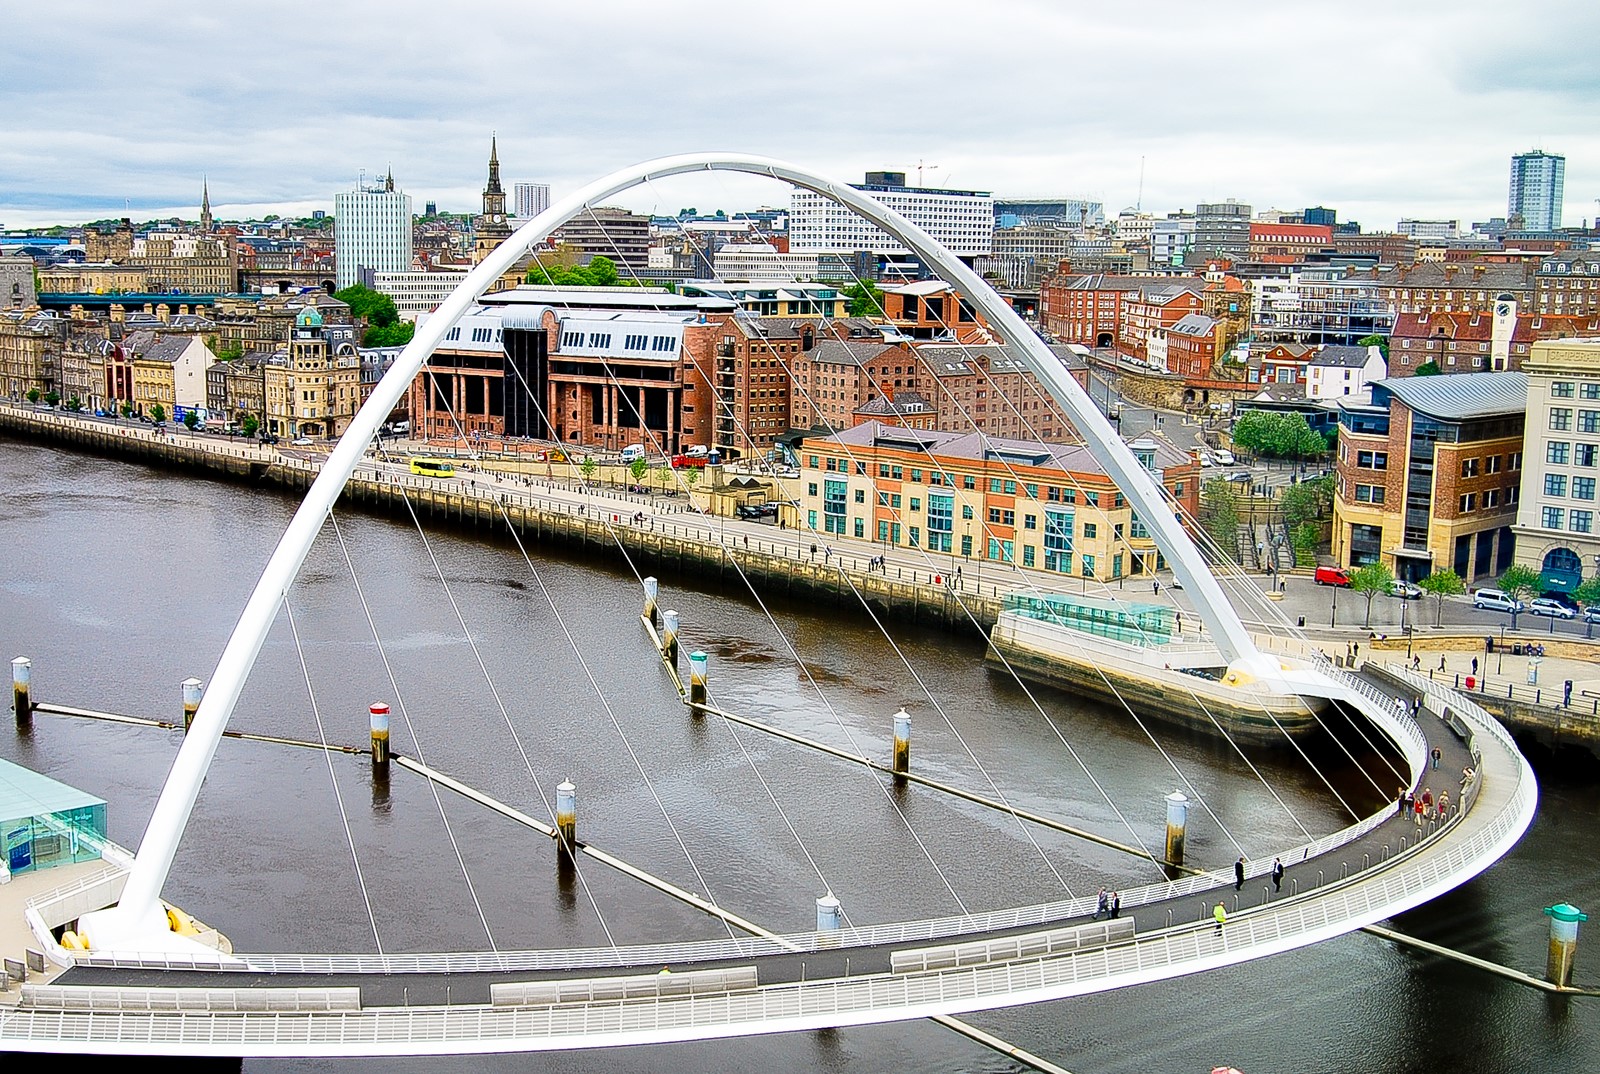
(1495, 601)
(1553, 608)
(1405, 590)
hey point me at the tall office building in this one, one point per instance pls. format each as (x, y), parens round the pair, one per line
(963, 220)
(1536, 182)
(530, 199)
(371, 231)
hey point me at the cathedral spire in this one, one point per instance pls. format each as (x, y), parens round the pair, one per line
(205, 204)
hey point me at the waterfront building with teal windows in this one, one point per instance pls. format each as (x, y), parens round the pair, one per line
(45, 822)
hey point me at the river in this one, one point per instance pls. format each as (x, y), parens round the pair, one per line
(120, 581)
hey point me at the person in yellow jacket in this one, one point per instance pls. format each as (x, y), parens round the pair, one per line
(1220, 915)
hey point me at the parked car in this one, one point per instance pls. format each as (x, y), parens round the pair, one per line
(1331, 576)
(300, 441)
(1553, 608)
(1496, 601)
(1405, 590)
(757, 510)
(268, 438)
(1225, 457)
(1591, 615)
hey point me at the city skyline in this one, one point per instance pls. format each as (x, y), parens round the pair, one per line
(1351, 115)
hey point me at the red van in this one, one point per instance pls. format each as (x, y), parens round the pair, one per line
(1332, 576)
(680, 462)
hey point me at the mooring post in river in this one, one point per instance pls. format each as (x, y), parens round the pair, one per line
(566, 819)
(1564, 919)
(830, 919)
(650, 591)
(378, 718)
(669, 636)
(21, 702)
(698, 662)
(1177, 822)
(191, 701)
(902, 745)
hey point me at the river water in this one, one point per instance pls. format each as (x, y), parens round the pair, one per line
(120, 581)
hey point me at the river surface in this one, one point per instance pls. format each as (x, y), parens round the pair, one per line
(121, 581)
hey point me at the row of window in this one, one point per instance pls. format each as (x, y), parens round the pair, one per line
(1551, 518)
(1559, 451)
(1556, 485)
(1561, 419)
(1564, 389)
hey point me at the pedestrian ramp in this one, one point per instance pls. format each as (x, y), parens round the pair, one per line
(1005, 948)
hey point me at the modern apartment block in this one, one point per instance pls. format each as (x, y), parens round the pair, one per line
(1429, 474)
(1537, 179)
(371, 232)
(529, 199)
(1555, 527)
(962, 220)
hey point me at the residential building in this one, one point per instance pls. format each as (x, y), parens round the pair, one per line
(1568, 282)
(371, 232)
(835, 378)
(1537, 179)
(907, 410)
(169, 370)
(1280, 363)
(530, 199)
(931, 309)
(1287, 244)
(756, 359)
(1555, 527)
(190, 264)
(1222, 230)
(1155, 308)
(1317, 305)
(238, 389)
(83, 371)
(1336, 371)
(316, 390)
(1429, 473)
(1045, 507)
(1172, 243)
(1449, 287)
(16, 283)
(988, 389)
(962, 221)
(1387, 248)
(94, 278)
(1474, 342)
(618, 235)
(263, 322)
(1191, 345)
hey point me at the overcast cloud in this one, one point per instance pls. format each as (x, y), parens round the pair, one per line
(1379, 109)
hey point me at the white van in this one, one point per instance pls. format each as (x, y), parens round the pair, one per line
(1224, 457)
(1496, 601)
(632, 453)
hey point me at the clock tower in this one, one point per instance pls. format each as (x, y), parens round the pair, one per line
(491, 228)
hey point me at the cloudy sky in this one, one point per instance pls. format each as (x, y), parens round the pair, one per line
(1379, 109)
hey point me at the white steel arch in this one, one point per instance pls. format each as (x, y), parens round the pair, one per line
(138, 920)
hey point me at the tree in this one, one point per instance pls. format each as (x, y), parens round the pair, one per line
(74, 404)
(228, 354)
(1588, 595)
(250, 424)
(599, 272)
(191, 420)
(1429, 368)
(52, 397)
(373, 307)
(389, 335)
(1277, 435)
(127, 410)
(33, 395)
(637, 468)
(1369, 581)
(1381, 342)
(1519, 583)
(1306, 537)
(587, 469)
(1219, 514)
(866, 300)
(1307, 501)
(158, 413)
(1439, 585)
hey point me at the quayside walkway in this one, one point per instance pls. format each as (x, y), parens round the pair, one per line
(480, 1002)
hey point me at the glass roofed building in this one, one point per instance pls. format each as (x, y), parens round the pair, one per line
(46, 822)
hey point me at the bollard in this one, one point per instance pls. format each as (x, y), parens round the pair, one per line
(1564, 919)
(1177, 821)
(378, 717)
(902, 745)
(650, 589)
(191, 702)
(566, 818)
(830, 914)
(669, 636)
(698, 662)
(21, 702)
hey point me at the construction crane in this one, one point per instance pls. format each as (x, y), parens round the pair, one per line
(920, 167)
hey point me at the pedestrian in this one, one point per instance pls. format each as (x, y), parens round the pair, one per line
(1566, 696)
(1116, 903)
(1416, 707)
(813, 551)
(1178, 619)
(1474, 665)
(1436, 756)
(1416, 663)
(1277, 874)
(1102, 904)
(1400, 705)
(1400, 801)
(1220, 916)
(1441, 663)
(1238, 873)
(1427, 798)
(1155, 588)
(1444, 802)
(1417, 810)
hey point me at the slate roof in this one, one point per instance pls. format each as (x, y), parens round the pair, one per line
(1457, 396)
(1339, 356)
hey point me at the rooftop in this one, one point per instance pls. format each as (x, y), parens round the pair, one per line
(26, 793)
(1457, 396)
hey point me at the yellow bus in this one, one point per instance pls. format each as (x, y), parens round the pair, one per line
(433, 467)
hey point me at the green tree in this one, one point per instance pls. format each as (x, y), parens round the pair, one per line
(389, 335)
(866, 300)
(1219, 514)
(1429, 368)
(191, 420)
(637, 468)
(373, 307)
(228, 354)
(1519, 583)
(1278, 436)
(127, 410)
(1381, 342)
(599, 272)
(1307, 501)
(587, 468)
(74, 404)
(1305, 538)
(1370, 581)
(249, 424)
(1439, 585)
(52, 397)
(158, 413)
(33, 395)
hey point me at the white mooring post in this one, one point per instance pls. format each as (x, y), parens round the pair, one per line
(902, 744)
(21, 701)
(378, 720)
(191, 702)
(669, 636)
(1177, 822)
(650, 590)
(566, 818)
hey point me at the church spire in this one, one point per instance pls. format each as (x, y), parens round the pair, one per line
(494, 167)
(205, 205)
(388, 183)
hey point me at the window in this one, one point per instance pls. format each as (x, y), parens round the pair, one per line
(1581, 521)
(1469, 502)
(1027, 555)
(1088, 566)
(1002, 518)
(1556, 451)
(811, 488)
(1584, 455)
(1555, 484)
(1469, 467)
(1369, 493)
(1583, 488)
(1560, 417)
(1089, 530)
(1589, 421)
(1561, 389)
(1550, 518)
(1372, 460)
(1590, 390)
(1030, 522)
(1514, 461)
(966, 512)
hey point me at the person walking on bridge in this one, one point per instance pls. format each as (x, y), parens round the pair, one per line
(1277, 874)
(1238, 873)
(1220, 916)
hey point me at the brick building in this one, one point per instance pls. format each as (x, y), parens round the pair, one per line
(1287, 244)
(1476, 342)
(1450, 287)
(1568, 283)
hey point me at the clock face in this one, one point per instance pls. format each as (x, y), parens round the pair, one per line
(499, 219)
(1503, 310)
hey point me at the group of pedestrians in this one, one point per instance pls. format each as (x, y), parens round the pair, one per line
(1109, 905)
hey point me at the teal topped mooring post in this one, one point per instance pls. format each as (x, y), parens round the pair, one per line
(699, 663)
(1564, 918)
